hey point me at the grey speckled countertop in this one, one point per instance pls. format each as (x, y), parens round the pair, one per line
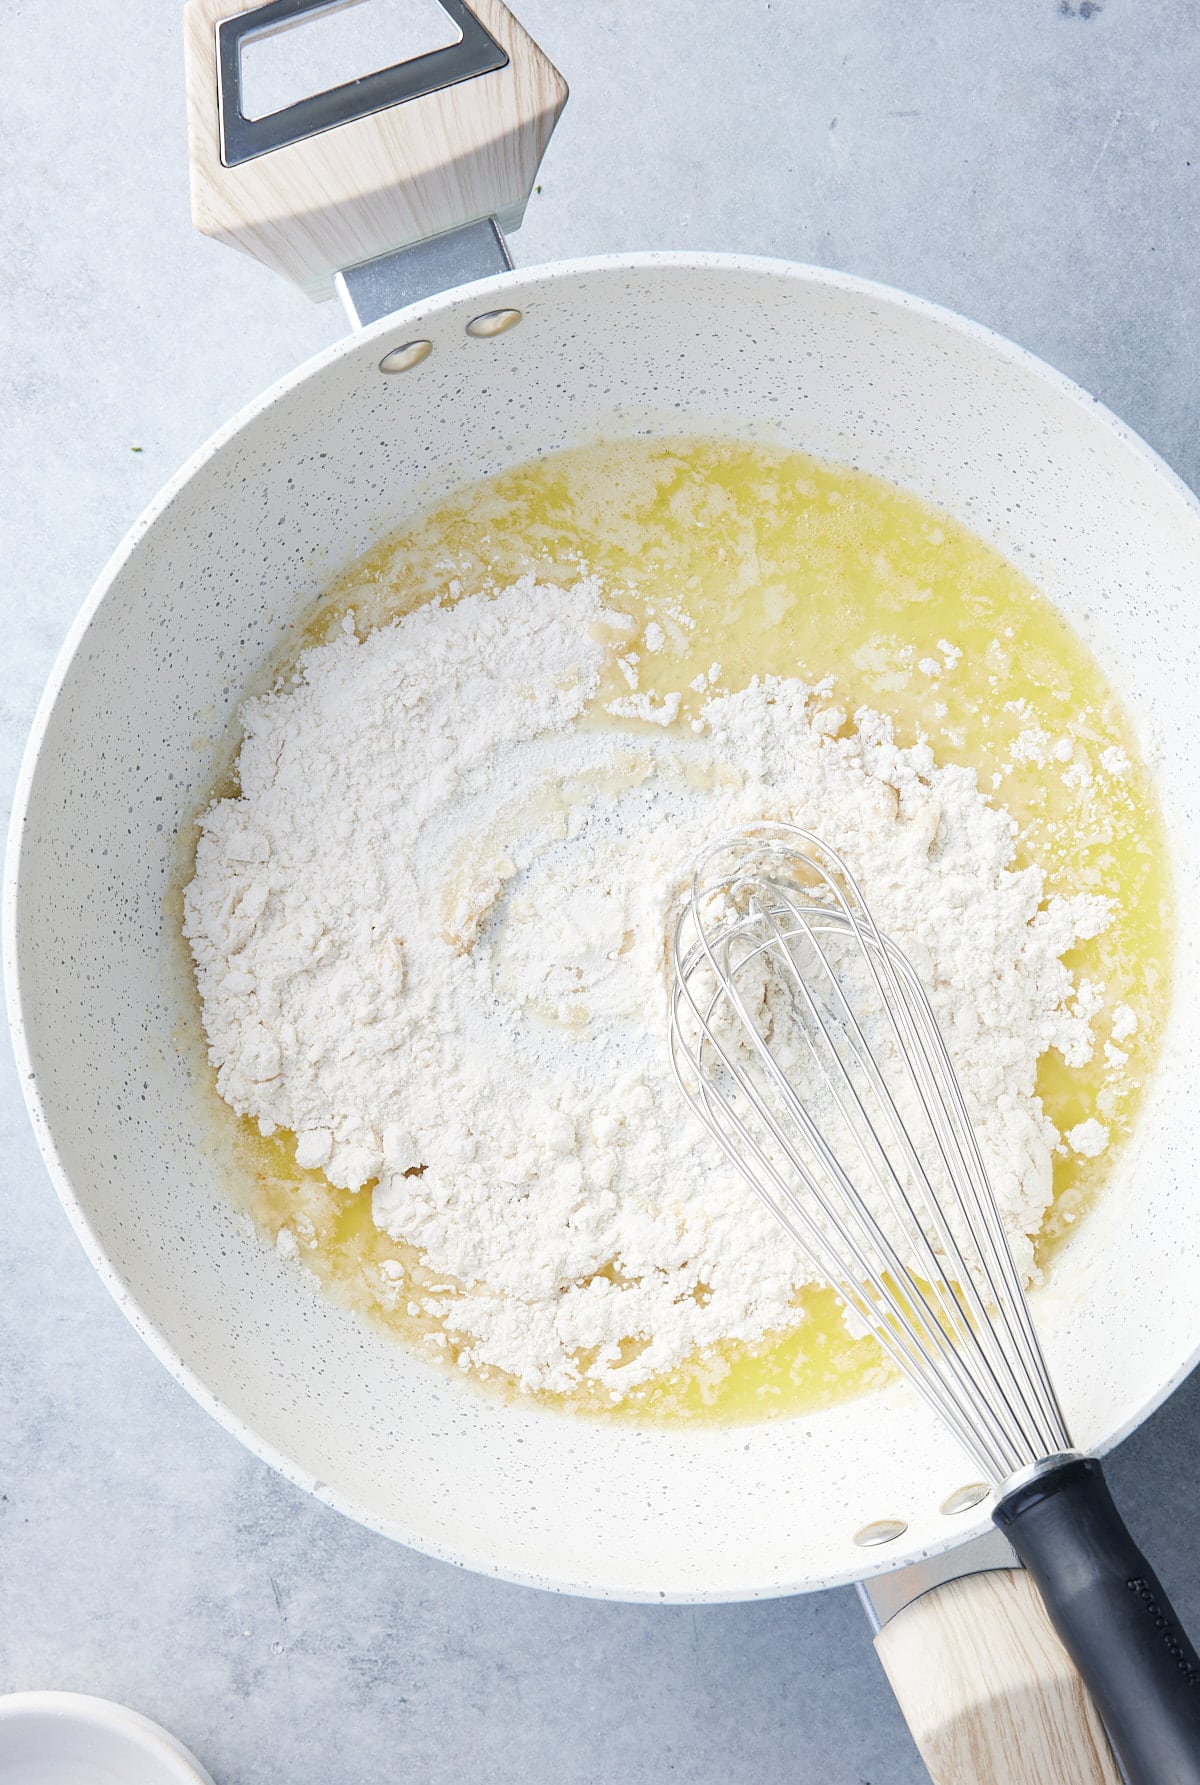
(1033, 163)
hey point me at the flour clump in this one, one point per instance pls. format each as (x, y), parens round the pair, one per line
(430, 937)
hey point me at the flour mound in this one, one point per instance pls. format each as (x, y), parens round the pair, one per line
(430, 939)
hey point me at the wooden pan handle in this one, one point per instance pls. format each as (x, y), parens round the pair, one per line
(988, 1691)
(429, 161)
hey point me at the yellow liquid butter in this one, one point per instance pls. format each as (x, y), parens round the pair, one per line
(756, 561)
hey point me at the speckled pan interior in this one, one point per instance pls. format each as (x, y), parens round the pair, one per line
(196, 601)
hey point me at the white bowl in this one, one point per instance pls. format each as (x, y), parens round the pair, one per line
(67, 1738)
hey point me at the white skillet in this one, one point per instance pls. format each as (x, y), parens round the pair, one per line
(212, 581)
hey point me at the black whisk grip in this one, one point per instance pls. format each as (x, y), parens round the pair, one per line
(1114, 1619)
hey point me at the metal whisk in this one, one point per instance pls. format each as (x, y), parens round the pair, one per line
(805, 1041)
(859, 1142)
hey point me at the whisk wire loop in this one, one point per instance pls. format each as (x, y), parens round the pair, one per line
(852, 1273)
(804, 1039)
(953, 1320)
(932, 1321)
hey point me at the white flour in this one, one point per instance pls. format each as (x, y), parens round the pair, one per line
(430, 940)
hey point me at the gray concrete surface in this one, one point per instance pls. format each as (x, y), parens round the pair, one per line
(1034, 163)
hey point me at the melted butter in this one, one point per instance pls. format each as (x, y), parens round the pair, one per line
(814, 1364)
(751, 561)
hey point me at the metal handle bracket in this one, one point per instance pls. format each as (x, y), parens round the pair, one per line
(375, 288)
(885, 1595)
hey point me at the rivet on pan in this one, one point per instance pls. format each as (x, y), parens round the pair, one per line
(884, 1530)
(963, 1498)
(492, 322)
(402, 359)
